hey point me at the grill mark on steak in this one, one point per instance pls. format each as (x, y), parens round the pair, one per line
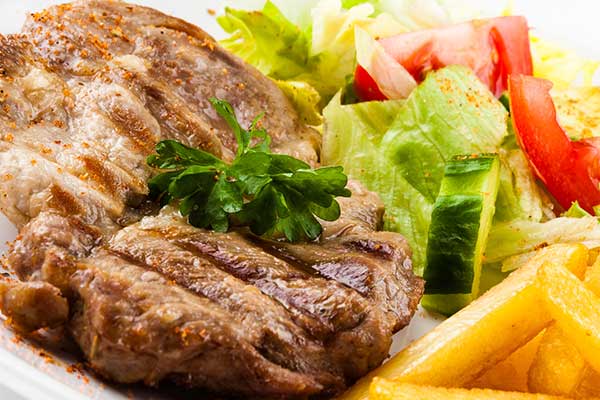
(180, 121)
(127, 123)
(84, 164)
(269, 326)
(145, 334)
(179, 54)
(314, 303)
(388, 277)
(310, 300)
(108, 181)
(167, 245)
(28, 173)
(160, 83)
(64, 202)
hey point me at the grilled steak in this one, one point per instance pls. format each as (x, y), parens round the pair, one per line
(87, 90)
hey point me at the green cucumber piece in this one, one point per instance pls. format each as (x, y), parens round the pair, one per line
(460, 224)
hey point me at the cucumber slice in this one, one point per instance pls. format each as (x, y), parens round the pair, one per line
(460, 224)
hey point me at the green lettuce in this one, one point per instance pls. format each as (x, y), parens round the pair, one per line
(305, 99)
(399, 148)
(519, 195)
(267, 40)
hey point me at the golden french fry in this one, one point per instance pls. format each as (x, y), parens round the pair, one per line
(481, 335)
(382, 389)
(589, 385)
(512, 373)
(558, 367)
(592, 278)
(575, 308)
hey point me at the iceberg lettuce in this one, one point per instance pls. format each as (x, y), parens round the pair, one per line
(399, 148)
(519, 196)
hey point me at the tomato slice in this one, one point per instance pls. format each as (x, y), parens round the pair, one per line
(570, 170)
(366, 87)
(492, 48)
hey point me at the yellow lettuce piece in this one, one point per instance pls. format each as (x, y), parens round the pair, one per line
(578, 110)
(562, 67)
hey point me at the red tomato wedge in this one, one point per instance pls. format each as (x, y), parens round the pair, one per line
(366, 87)
(570, 170)
(492, 48)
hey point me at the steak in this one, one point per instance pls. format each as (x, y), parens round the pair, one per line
(87, 90)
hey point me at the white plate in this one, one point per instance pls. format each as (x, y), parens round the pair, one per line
(25, 374)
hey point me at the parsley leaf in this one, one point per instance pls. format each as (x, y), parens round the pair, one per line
(270, 193)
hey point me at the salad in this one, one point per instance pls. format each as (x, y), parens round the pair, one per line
(473, 131)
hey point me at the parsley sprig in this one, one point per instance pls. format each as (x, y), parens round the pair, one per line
(271, 193)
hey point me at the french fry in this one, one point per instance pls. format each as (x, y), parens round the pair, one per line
(481, 335)
(592, 278)
(558, 367)
(512, 373)
(589, 385)
(575, 308)
(382, 389)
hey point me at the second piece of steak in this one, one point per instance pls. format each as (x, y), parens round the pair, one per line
(87, 92)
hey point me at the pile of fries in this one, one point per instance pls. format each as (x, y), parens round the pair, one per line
(534, 336)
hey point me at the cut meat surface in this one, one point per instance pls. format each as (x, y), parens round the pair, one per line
(87, 90)
(134, 326)
(91, 87)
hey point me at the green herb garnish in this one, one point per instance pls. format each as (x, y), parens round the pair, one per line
(271, 193)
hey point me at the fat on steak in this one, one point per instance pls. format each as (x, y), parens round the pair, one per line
(86, 91)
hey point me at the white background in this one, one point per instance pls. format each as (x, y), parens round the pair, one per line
(572, 23)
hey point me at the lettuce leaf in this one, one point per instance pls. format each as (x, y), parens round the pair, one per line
(399, 148)
(519, 196)
(305, 99)
(575, 211)
(267, 40)
(511, 242)
(313, 41)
